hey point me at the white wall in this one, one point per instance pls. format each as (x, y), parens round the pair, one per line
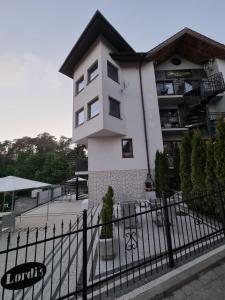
(151, 111)
(91, 90)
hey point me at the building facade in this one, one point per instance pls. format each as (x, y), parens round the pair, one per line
(128, 105)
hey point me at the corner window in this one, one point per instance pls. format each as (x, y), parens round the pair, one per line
(93, 72)
(114, 108)
(127, 148)
(112, 72)
(93, 108)
(80, 117)
(80, 85)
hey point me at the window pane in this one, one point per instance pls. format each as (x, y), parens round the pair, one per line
(93, 72)
(114, 108)
(80, 85)
(127, 148)
(93, 108)
(112, 71)
(169, 88)
(80, 117)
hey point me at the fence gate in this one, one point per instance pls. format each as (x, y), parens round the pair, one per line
(72, 261)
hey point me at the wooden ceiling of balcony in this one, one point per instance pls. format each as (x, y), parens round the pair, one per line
(190, 45)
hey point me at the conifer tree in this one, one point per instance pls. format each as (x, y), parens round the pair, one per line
(210, 178)
(198, 163)
(185, 165)
(163, 173)
(176, 164)
(157, 158)
(220, 151)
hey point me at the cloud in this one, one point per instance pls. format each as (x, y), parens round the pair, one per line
(34, 97)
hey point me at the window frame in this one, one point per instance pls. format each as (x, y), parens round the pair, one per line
(117, 69)
(89, 110)
(132, 150)
(89, 72)
(77, 83)
(76, 117)
(112, 99)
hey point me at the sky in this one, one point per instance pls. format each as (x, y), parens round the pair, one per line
(37, 35)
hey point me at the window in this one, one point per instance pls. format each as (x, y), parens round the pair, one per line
(112, 71)
(93, 108)
(80, 117)
(80, 85)
(127, 148)
(93, 72)
(114, 108)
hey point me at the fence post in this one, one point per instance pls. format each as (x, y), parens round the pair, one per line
(167, 230)
(84, 255)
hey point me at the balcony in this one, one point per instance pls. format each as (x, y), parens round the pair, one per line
(170, 120)
(205, 88)
(176, 87)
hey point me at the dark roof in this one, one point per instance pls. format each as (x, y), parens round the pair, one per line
(189, 44)
(96, 27)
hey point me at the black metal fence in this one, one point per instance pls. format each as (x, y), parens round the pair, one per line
(71, 261)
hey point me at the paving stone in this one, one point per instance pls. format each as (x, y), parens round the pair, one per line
(219, 270)
(187, 289)
(208, 277)
(178, 295)
(196, 284)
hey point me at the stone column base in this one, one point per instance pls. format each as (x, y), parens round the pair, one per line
(127, 185)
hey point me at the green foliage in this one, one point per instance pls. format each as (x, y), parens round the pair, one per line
(185, 165)
(41, 158)
(210, 178)
(107, 215)
(220, 151)
(198, 163)
(176, 164)
(162, 173)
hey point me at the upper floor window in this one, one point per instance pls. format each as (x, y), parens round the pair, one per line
(114, 108)
(127, 148)
(112, 71)
(93, 108)
(80, 85)
(93, 72)
(80, 117)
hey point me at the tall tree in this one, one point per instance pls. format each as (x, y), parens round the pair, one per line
(198, 163)
(185, 165)
(220, 150)
(162, 173)
(176, 165)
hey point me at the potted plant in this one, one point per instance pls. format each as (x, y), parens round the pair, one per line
(107, 243)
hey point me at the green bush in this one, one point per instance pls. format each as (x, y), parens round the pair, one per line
(220, 150)
(198, 163)
(185, 165)
(107, 215)
(162, 173)
(176, 164)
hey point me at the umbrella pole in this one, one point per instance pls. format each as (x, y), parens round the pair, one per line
(12, 209)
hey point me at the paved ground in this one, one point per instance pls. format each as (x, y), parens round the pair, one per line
(207, 286)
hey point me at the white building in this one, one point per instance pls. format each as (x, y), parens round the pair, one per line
(126, 105)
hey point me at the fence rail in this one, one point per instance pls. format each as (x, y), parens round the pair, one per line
(149, 238)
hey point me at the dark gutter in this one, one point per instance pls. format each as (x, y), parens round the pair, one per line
(144, 118)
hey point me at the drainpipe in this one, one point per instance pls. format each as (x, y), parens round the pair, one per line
(149, 179)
